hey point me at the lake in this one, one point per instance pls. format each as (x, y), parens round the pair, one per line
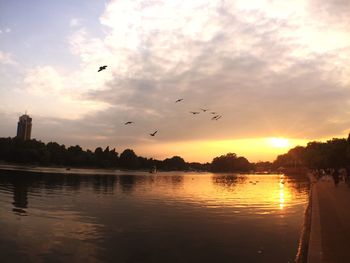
(112, 216)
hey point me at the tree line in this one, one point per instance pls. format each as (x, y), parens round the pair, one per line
(333, 154)
(15, 150)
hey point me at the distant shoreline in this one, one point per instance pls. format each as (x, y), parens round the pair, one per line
(64, 170)
(75, 170)
(99, 171)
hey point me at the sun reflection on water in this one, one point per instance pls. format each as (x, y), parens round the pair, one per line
(260, 194)
(281, 196)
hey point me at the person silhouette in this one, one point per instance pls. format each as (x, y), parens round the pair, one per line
(347, 175)
(335, 176)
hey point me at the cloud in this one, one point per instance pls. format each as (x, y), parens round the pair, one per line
(44, 81)
(270, 68)
(75, 22)
(6, 58)
(334, 11)
(263, 65)
(5, 30)
(61, 91)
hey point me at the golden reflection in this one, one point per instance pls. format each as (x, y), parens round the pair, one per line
(281, 184)
(260, 194)
(281, 196)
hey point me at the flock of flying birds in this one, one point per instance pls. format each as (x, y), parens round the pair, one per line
(215, 117)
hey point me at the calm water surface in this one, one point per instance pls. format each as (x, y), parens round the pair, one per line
(141, 217)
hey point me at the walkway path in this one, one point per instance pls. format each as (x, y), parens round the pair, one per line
(330, 222)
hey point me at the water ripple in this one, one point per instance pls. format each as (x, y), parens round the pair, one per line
(168, 217)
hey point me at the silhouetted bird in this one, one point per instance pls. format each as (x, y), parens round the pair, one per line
(179, 100)
(204, 110)
(194, 112)
(216, 117)
(152, 134)
(213, 112)
(128, 122)
(102, 68)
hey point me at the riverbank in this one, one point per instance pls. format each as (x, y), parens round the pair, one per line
(330, 221)
(303, 247)
(81, 170)
(59, 170)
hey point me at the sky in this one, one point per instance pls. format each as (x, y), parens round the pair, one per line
(276, 71)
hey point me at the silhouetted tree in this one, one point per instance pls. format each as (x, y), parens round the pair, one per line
(230, 163)
(334, 153)
(128, 159)
(174, 163)
(263, 166)
(57, 153)
(36, 152)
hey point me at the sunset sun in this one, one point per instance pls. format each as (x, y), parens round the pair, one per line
(279, 142)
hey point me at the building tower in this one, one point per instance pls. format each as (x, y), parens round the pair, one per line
(24, 127)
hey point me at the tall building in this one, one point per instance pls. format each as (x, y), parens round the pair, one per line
(24, 127)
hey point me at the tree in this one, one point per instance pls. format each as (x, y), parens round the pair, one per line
(128, 159)
(317, 155)
(174, 163)
(230, 163)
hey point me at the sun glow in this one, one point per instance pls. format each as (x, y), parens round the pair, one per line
(255, 149)
(279, 142)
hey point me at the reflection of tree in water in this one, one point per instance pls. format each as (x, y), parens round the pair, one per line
(20, 196)
(298, 183)
(73, 181)
(228, 181)
(127, 182)
(104, 183)
(19, 186)
(177, 180)
(174, 180)
(23, 183)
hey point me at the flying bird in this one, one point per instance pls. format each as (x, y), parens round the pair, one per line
(216, 117)
(204, 110)
(179, 100)
(194, 112)
(128, 122)
(152, 134)
(102, 68)
(213, 112)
